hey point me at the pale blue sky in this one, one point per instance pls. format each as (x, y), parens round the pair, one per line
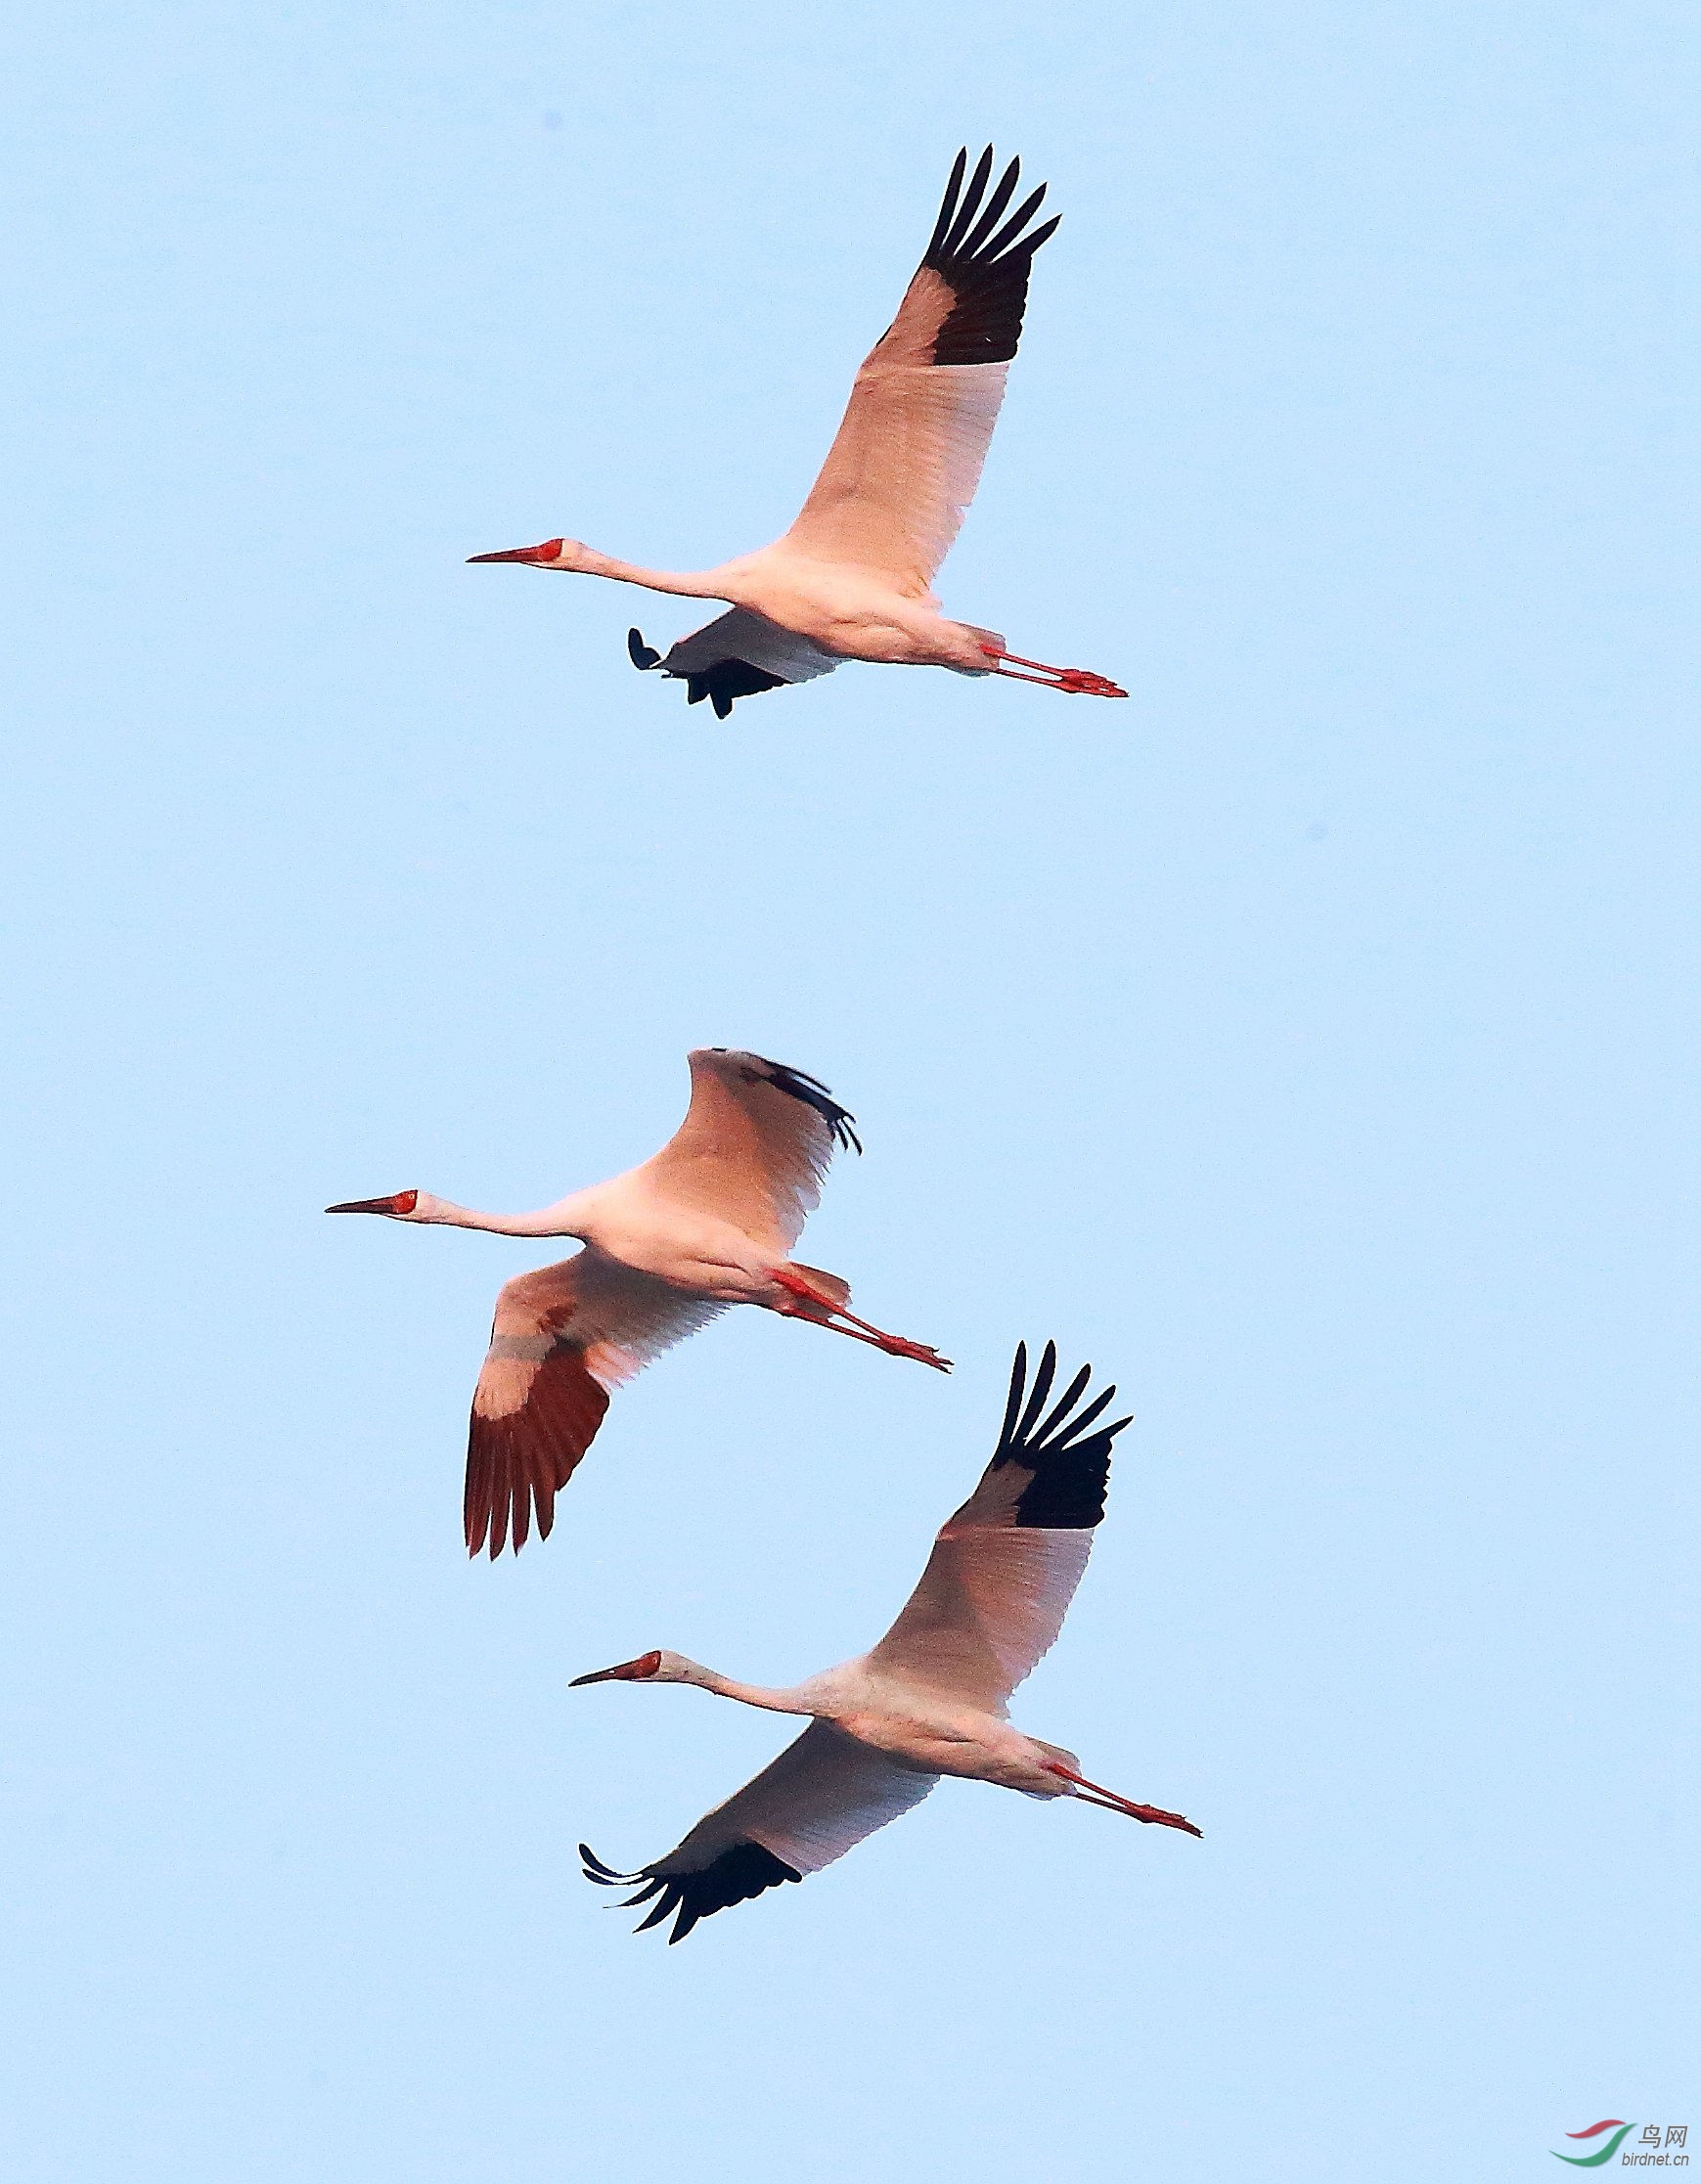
(1310, 1041)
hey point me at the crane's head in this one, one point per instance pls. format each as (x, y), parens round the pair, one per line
(553, 553)
(658, 1667)
(401, 1205)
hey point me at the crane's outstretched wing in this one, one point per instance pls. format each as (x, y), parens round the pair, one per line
(736, 655)
(817, 1801)
(1005, 1568)
(754, 1145)
(562, 1338)
(893, 490)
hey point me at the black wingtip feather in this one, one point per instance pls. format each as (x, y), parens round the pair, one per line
(988, 278)
(1014, 225)
(994, 205)
(1019, 1377)
(1067, 1402)
(947, 210)
(727, 681)
(814, 1093)
(1040, 1389)
(642, 657)
(743, 1870)
(970, 207)
(1068, 1455)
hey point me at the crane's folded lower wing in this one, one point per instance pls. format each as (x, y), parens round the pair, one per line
(563, 1336)
(524, 1455)
(739, 654)
(818, 1799)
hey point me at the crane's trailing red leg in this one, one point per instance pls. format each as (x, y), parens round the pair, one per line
(1115, 1803)
(814, 1301)
(1077, 681)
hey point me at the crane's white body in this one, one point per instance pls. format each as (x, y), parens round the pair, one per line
(926, 1730)
(845, 612)
(632, 1220)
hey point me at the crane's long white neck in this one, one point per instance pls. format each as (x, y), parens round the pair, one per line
(568, 1217)
(691, 584)
(750, 1694)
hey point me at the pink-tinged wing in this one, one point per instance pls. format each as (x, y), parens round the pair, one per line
(903, 468)
(754, 1145)
(563, 1336)
(1004, 1570)
(817, 1801)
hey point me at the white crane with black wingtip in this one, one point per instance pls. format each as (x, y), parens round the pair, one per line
(931, 1698)
(706, 1222)
(852, 579)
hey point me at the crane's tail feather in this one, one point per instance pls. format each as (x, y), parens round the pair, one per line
(833, 1288)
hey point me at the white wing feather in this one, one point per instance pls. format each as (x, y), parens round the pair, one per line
(750, 1150)
(904, 466)
(987, 1611)
(742, 635)
(818, 1799)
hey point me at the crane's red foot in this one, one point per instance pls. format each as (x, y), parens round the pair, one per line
(1153, 1812)
(1112, 1801)
(924, 1353)
(1077, 681)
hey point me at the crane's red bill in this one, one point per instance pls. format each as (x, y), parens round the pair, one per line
(547, 552)
(628, 1672)
(398, 1202)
